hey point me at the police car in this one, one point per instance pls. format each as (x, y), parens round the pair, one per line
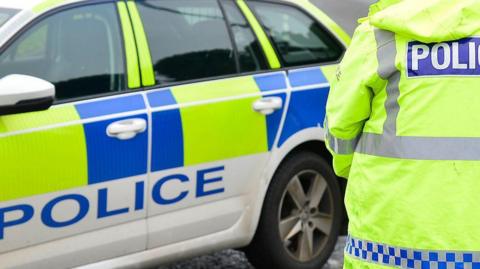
(134, 133)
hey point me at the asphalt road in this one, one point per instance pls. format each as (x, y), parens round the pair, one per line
(232, 259)
(345, 13)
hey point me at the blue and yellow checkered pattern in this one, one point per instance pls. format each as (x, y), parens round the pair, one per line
(399, 257)
(67, 146)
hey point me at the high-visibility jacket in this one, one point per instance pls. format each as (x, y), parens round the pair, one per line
(403, 125)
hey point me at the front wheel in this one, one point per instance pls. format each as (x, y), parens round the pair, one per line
(301, 216)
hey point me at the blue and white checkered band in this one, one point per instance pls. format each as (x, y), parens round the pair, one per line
(399, 257)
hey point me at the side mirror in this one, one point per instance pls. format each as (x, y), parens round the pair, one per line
(21, 94)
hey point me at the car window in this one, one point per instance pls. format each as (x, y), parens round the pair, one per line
(78, 50)
(188, 39)
(6, 14)
(33, 47)
(250, 53)
(298, 38)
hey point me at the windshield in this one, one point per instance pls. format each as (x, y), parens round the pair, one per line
(6, 14)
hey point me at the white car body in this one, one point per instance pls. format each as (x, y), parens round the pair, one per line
(154, 234)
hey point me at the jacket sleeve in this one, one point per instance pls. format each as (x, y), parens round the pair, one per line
(349, 101)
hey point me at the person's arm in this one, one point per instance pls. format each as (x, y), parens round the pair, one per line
(349, 101)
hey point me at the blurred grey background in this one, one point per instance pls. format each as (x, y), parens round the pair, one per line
(346, 13)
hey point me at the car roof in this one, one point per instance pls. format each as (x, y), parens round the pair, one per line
(34, 4)
(31, 4)
(47, 4)
(23, 4)
(29, 9)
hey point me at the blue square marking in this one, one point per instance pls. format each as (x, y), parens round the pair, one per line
(425, 265)
(398, 261)
(110, 106)
(467, 257)
(450, 257)
(380, 249)
(271, 82)
(433, 256)
(375, 257)
(459, 265)
(417, 255)
(113, 159)
(167, 144)
(442, 265)
(386, 259)
(403, 253)
(161, 98)
(410, 263)
(305, 110)
(307, 77)
(370, 247)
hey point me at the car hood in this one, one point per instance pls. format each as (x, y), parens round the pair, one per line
(428, 21)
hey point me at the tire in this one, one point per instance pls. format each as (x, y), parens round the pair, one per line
(285, 248)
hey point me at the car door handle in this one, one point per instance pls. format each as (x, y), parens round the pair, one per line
(126, 129)
(268, 105)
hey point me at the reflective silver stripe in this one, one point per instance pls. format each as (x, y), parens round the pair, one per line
(386, 54)
(420, 148)
(400, 257)
(341, 146)
(389, 144)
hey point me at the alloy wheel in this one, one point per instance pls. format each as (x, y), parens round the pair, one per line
(305, 215)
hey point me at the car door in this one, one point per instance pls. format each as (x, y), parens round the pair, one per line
(72, 178)
(214, 122)
(309, 52)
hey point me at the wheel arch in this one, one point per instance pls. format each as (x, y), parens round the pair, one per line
(318, 147)
(304, 141)
(315, 146)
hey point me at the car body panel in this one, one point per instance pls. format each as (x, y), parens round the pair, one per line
(96, 172)
(22, 5)
(235, 148)
(307, 102)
